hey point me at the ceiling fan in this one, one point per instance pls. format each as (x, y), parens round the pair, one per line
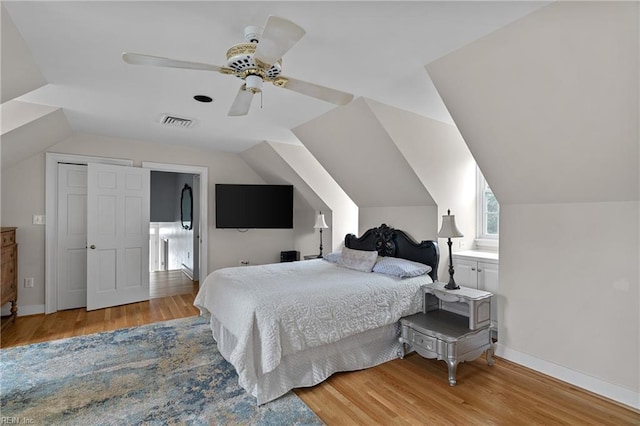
(255, 62)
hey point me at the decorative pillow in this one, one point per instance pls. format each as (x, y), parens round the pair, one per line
(333, 257)
(400, 267)
(360, 260)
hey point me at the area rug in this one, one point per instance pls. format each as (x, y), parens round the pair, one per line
(163, 373)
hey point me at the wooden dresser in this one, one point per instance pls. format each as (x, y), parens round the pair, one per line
(9, 277)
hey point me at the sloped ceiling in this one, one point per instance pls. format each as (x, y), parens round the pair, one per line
(549, 105)
(266, 162)
(440, 158)
(26, 128)
(294, 164)
(356, 150)
(33, 137)
(19, 72)
(372, 49)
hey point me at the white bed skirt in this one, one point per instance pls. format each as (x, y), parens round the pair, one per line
(314, 365)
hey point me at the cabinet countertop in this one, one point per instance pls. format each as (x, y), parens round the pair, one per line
(483, 256)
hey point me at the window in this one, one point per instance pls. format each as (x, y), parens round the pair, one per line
(488, 210)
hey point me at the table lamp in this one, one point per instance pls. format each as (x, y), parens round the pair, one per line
(450, 230)
(320, 224)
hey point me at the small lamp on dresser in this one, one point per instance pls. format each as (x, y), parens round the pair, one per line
(320, 224)
(450, 230)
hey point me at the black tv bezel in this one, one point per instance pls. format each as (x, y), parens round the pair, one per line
(261, 209)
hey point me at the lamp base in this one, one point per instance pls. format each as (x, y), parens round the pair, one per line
(451, 285)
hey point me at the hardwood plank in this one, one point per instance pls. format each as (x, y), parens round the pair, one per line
(417, 389)
(409, 391)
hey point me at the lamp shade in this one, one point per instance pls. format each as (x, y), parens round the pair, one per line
(320, 223)
(449, 228)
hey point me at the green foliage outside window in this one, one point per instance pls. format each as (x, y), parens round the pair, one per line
(492, 211)
(488, 210)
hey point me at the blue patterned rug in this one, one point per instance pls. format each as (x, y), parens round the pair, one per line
(164, 373)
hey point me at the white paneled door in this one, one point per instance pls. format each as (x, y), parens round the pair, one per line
(117, 235)
(72, 236)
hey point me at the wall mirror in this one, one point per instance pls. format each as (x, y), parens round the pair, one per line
(186, 207)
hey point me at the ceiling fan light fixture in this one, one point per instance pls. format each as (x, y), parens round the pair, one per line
(254, 83)
(241, 61)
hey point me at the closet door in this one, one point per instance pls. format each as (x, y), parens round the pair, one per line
(117, 235)
(72, 236)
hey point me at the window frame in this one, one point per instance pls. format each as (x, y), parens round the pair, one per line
(483, 239)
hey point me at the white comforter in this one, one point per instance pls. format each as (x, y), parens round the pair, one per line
(280, 309)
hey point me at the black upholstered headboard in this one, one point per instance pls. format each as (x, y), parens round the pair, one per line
(395, 243)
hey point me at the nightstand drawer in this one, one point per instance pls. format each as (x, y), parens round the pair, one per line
(419, 339)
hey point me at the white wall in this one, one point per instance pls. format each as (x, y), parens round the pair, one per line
(19, 72)
(180, 244)
(354, 148)
(443, 163)
(341, 213)
(419, 222)
(549, 108)
(569, 286)
(23, 195)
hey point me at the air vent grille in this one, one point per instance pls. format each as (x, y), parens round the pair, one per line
(172, 120)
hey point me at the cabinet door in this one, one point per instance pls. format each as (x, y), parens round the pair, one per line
(465, 273)
(488, 281)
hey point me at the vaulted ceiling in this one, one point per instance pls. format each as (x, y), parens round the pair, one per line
(370, 49)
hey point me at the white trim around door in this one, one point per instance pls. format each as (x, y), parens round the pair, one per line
(52, 160)
(51, 211)
(204, 205)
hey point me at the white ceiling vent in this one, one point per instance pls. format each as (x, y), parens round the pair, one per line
(174, 121)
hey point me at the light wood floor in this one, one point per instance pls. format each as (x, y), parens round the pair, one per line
(401, 392)
(169, 283)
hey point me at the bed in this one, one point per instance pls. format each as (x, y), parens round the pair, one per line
(294, 324)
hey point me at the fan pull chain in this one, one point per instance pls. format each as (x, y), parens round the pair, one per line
(261, 99)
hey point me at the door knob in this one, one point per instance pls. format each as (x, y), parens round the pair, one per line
(92, 247)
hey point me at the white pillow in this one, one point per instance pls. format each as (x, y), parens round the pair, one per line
(402, 268)
(333, 257)
(360, 260)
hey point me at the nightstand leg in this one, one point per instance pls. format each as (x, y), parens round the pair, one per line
(402, 352)
(453, 366)
(490, 352)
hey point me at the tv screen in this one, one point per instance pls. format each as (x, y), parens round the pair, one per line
(254, 206)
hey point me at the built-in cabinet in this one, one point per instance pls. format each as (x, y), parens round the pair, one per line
(479, 270)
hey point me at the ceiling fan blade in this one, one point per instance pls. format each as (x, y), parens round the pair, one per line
(242, 102)
(278, 37)
(314, 90)
(158, 61)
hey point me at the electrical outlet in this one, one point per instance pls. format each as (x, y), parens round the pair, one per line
(463, 244)
(38, 219)
(28, 282)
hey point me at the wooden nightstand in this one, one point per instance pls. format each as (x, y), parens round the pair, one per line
(9, 277)
(450, 336)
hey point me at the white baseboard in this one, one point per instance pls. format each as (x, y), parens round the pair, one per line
(608, 390)
(24, 310)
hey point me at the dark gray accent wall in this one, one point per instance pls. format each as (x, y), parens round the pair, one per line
(165, 197)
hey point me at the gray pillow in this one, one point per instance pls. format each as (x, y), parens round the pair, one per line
(333, 257)
(359, 260)
(402, 268)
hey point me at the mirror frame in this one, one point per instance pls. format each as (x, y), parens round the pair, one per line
(186, 218)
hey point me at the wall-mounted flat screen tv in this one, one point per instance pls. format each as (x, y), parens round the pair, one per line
(254, 206)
